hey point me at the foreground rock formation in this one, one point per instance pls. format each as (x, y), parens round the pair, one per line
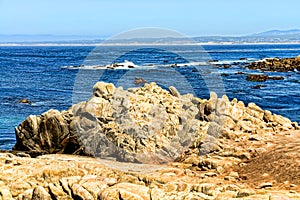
(203, 148)
(58, 176)
(147, 124)
(277, 64)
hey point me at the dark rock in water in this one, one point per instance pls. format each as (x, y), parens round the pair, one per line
(277, 64)
(243, 58)
(276, 78)
(223, 74)
(239, 73)
(257, 77)
(258, 86)
(115, 65)
(138, 81)
(262, 77)
(130, 66)
(213, 60)
(25, 101)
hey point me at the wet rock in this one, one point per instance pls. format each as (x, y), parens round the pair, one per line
(258, 86)
(257, 77)
(276, 78)
(276, 64)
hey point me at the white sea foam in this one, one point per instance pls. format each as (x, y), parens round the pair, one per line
(130, 65)
(229, 62)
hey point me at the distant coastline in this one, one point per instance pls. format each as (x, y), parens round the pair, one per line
(142, 44)
(269, 37)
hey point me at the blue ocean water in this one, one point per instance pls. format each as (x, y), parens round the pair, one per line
(39, 74)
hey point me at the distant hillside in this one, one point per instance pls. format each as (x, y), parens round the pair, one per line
(44, 38)
(279, 33)
(272, 36)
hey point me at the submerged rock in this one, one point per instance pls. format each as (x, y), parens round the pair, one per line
(257, 77)
(262, 77)
(138, 81)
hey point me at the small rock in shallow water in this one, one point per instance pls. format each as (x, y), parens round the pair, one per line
(258, 86)
(138, 81)
(257, 77)
(25, 101)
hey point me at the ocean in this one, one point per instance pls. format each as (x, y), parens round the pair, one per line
(55, 77)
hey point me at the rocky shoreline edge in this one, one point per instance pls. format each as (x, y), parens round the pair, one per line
(150, 143)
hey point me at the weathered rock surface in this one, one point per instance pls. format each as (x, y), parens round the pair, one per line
(277, 64)
(74, 177)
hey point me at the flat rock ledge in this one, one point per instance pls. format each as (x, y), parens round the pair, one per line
(150, 143)
(75, 177)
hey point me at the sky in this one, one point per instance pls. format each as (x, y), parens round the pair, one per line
(105, 18)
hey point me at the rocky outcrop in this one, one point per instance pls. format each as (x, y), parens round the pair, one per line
(150, 125)
(207, 149)
(262, 77)
(277, 64)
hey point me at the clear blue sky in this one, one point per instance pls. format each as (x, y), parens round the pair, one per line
(109, 17)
